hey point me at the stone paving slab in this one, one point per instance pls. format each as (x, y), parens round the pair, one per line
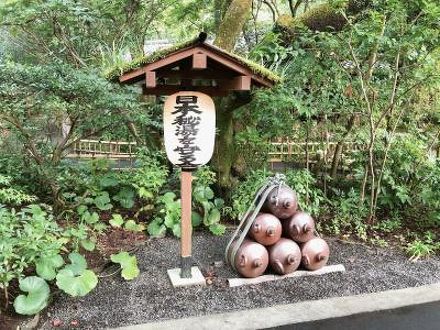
(306, 311)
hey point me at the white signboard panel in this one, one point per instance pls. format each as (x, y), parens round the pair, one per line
(189, 128)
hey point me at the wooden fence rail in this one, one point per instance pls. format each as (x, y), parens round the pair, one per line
(103, 149)
(286, 151)
(281, 151)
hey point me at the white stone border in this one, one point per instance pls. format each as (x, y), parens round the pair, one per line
(238, 281)
(305, 311)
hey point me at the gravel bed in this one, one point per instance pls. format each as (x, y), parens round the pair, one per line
(151, 297)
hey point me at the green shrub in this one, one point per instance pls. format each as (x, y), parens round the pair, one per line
(31, 240)
(310, 196)
(26, 237)
(151, 174)
(244, 193)
(168, 216)
(427, 198)
(206, 208)
(424, 247)
(12, 195)
(348, 215)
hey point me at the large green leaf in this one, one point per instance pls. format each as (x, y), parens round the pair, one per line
(90, 218)
(133, 226)
(156, 228)
(78, 263)
(125, 197)
(214, 216)
(116, 221)
(108, 180)
(170, 220)
(206, 211)
(199, 194)
(219, 203)
(128, 264)
(102, 201)
(46, 266)
(217, 229)
(176, 229)
(144, 193)
(196, 219)
(88, 244)
(209, 194)
(76, 285)
(168, 197)
(37, 297)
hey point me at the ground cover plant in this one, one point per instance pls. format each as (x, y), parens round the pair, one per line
(354, 72)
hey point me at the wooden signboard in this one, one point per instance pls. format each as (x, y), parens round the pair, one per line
(189, 134)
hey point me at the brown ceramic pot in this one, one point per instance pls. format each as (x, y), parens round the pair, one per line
(300, 227)
(266, 229)
(284, 256)
(281, 202)
(315, 253)
(251, 259)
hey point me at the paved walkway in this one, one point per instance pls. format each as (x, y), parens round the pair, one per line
(416, 317)
(404, 309)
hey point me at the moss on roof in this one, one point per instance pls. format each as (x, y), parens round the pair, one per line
(116, 71)
(254, 67)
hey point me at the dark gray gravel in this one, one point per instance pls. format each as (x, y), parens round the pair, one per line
(150, 297)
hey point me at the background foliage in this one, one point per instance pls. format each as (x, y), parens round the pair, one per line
(360, 71)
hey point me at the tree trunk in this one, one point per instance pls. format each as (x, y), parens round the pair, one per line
(224, 152)
(338, 150)
(232, 24)
(228, 34)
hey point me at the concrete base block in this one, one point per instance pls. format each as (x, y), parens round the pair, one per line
(197, 277)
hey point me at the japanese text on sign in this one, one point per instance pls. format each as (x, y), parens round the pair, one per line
(187, 123)
(189, 129)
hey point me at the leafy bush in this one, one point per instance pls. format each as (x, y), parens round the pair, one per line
(348, 215)
(27, 237)
(150, 175)
(244, 193)
(410, 181)
(32, 239)
(390, 225)
(253, 149)
(84, 231)
(401, 173)
(310, 196)
(168, 217)
(206, 208)
(424, 247)
(302, 182)
(210, 208)
(427, 198)
(13, 195)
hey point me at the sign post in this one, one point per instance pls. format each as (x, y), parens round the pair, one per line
(185, 225)
(189, 135)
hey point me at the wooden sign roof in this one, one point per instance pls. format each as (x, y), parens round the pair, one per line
(194, 65)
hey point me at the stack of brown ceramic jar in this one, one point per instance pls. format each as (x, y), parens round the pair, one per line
(282, 237)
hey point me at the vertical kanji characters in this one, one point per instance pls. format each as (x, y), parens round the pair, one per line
(186, 123)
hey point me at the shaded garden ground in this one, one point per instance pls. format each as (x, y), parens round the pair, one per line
(150, 297)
